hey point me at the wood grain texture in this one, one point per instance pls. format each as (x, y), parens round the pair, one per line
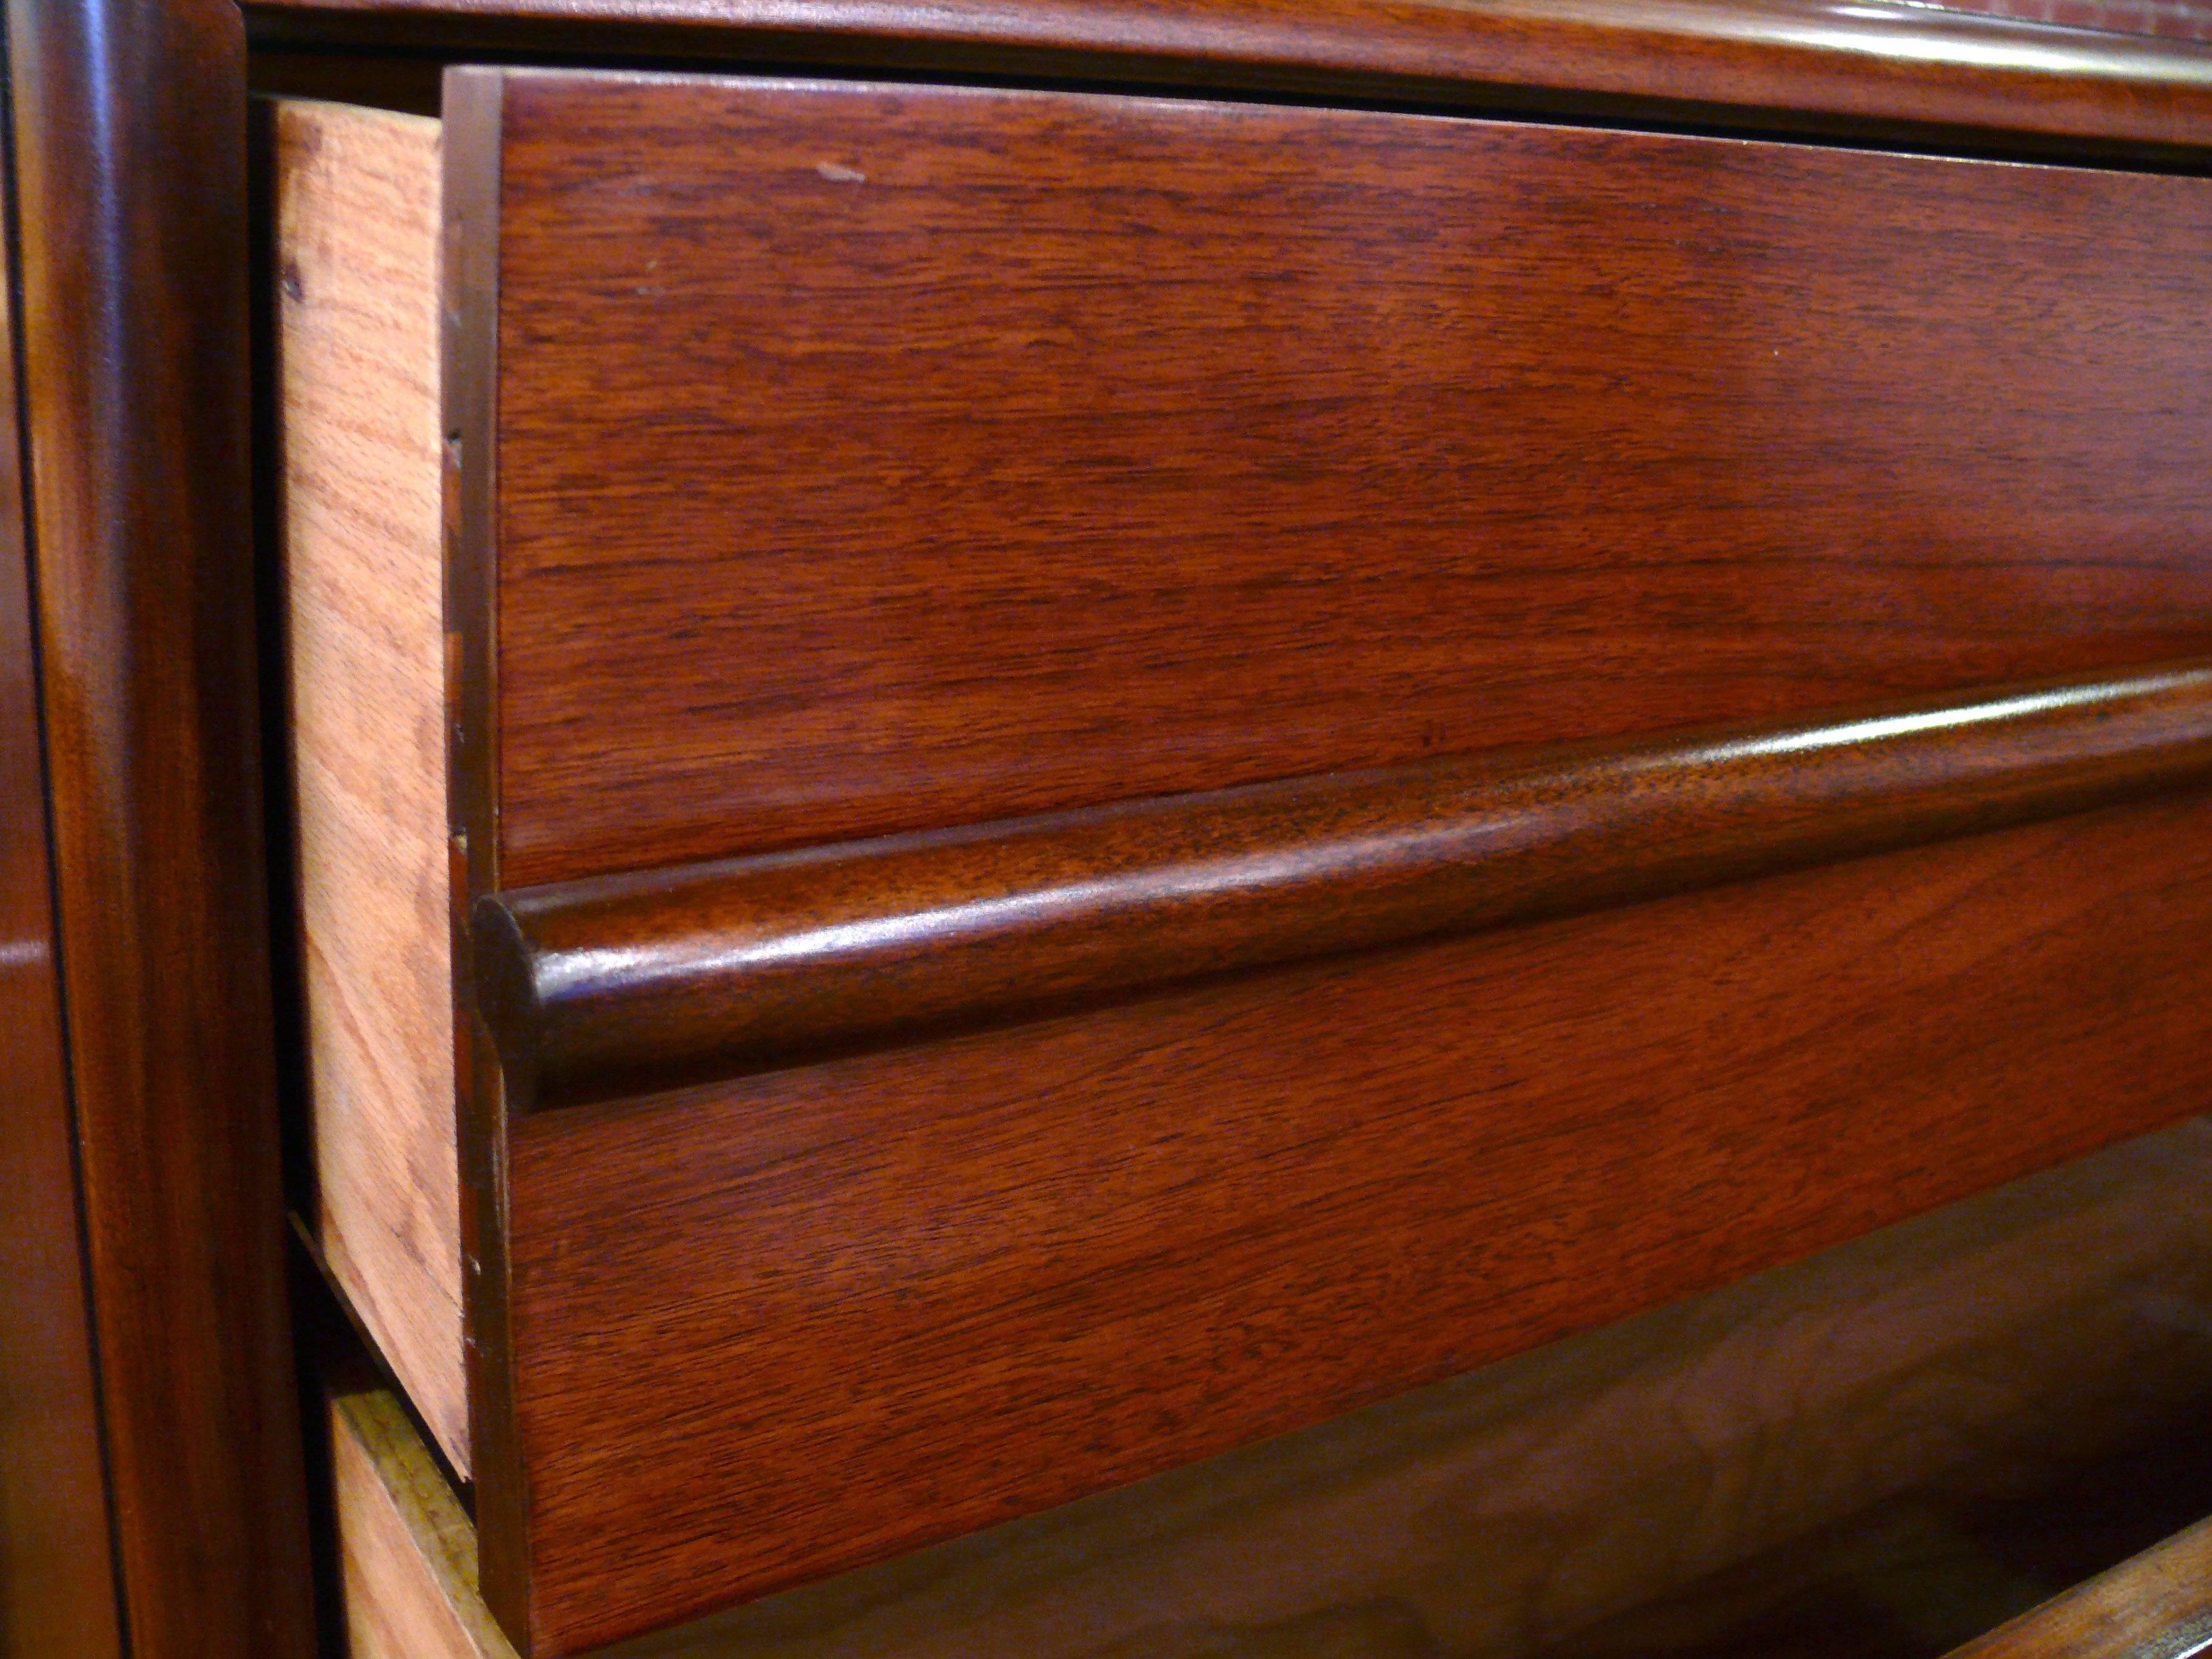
(58, 1586)
(407, 1550)
(1982, 1351)
(1987, 1349)
(774, 1329)
(2158, 1606)
(878, 458)
(629, 985)
(1822, 64)
(130, 151)
(356, 250)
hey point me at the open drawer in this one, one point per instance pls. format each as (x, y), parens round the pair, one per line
(999, 788)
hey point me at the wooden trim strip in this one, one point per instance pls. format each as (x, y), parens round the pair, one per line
(626, 985)
(129, 174)
(2157, 1605)
(471, 138)
(1881, 70)
(57, 1581)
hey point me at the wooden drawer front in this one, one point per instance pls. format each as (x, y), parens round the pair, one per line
(1840, 1455)
(769, 1330)
(872, 458)
(830, 460)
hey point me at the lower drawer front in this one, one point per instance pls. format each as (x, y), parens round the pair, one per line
(1889, 1448)
(824, 461)
(772, 1328)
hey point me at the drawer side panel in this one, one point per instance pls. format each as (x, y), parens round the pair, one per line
(356, 194)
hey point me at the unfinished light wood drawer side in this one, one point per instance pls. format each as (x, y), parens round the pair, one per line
(1100, 775)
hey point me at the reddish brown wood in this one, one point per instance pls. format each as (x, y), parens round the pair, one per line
(57, 1566)
(130, 148)
(2008, 1348)
(836, 460)
(627, 984)
(771, 1329)
(876, 458)
(1828, 64)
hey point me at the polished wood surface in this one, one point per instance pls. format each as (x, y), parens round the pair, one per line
(57, 1567)
(630, 984)
(1036, 536)
(1825, 66)
(155, 837)
(2158, 1606)
(356, 264)
(1997, 1350)
(878, 459)
(772, 1329)
(130, 156)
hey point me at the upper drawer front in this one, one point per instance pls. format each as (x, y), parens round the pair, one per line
(878, 458)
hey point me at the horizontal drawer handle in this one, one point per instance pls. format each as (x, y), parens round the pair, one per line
(623, 986)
